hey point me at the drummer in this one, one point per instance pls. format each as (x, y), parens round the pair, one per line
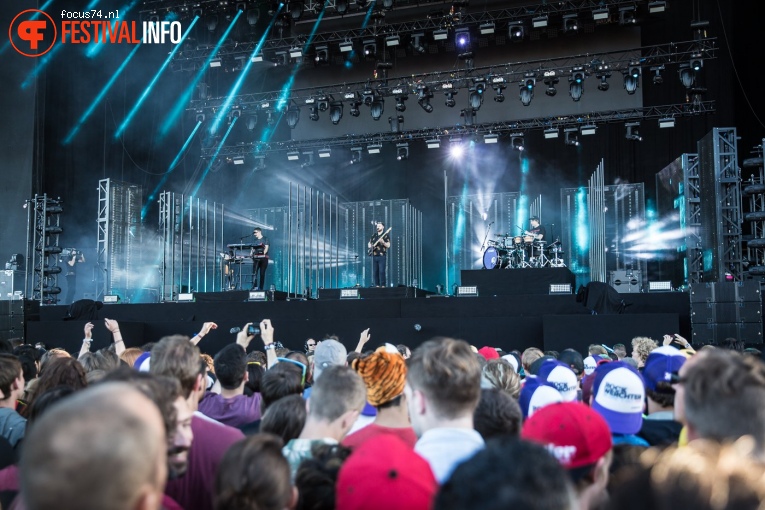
(536, 230)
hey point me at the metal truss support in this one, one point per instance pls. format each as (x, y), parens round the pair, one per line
(102, 243)
(721, 206)
(694, 255)
(754, 189)
(42, 268)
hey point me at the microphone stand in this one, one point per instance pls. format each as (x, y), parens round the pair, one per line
(488, 229)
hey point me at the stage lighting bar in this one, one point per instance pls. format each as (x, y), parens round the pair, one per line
(466, 291)
(346, 46)
(667, 122)
(392, 40)
(539, 21)
(560, 288)
(600, 14)
(588, 129)
(238, 160)
(293, 155)
(491, 138)
(216, 62)
(551, 133)
(325, 153)
(349, 294)
(185, 296)
(374, 148)
(486, 28)
(296, 52)
(663, 286)
(257, 295)
(258, 57)
(110, 299)
(440, 35)
(433, 143)
(655, 7)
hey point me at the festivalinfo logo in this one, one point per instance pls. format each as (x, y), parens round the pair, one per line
(33, 32)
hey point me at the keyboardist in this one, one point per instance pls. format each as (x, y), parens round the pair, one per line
(259, 254)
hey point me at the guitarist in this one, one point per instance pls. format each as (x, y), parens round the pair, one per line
(378, 246)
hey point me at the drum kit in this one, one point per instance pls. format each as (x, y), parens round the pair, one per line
(520, 252)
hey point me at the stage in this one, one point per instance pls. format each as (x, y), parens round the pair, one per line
(395, 315)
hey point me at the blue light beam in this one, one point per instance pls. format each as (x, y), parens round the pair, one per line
(95, 48)
(153, 82)
(180, 104)
(100, 96)
(170, 169)
(214, 157)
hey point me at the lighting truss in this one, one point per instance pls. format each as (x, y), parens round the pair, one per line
(191, 56)
(431, 135)
(452, 80)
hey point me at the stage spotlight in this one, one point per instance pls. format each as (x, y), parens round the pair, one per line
(632, 79)
(687, 77)
(295, 9)
(516, 140)
(603, 73)
(456, 149)
(402, 151)
(550, 81)
(570, 136)
(424, 95)
(498, 84)
(323, 103)
(293, 117)
(253, 15)
(696, 64)
(370, 49)
(200, 117)
(527, 90)
(396, 123)
(252, 121)
(376, 108)
(627, 15)
(368, 95)
(576, 84)
(356, 155)
(313, 112)
(475, 99)
(322, 55)
(658, 79)
(354, 111)
(204, 89)
(335, 112)
(450, 102)
(387, 4)
(462, 38)
(570, 24)
(633, 132)
(416, 42)
(270, 120)
(516, 31)
(401, 98)
(341, 6)
(212, 22)
(260, 161)
(469, 115)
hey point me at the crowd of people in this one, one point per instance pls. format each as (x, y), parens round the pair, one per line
(443, 425)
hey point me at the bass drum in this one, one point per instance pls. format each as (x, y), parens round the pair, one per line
(494, 258)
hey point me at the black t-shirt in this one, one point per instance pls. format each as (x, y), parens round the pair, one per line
(540, 230)
(259, 246)
(660, 432)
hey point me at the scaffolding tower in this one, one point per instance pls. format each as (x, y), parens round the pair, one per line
(119, 238)
(721, 214)
(43, 248)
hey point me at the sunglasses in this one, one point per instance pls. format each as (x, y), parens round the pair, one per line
(674, 378)
(299, 364)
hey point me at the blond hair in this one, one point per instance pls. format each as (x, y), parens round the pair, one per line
(641, 348)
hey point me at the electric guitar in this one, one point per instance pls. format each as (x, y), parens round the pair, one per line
(372, 249)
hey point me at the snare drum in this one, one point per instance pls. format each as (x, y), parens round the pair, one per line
(494, 258)
(517, 241)
(528, 239)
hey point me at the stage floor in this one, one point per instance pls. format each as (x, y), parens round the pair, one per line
(509, 321)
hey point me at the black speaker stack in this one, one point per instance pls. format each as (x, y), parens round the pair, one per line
(13, 316)
(726, 310)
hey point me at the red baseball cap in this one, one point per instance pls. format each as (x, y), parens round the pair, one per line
(574, 434)
(488, 352)
(385, 473)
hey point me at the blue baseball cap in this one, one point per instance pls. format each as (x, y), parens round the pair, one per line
(535, 394)
(560, 376)
(618, 395)
(661, 364)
